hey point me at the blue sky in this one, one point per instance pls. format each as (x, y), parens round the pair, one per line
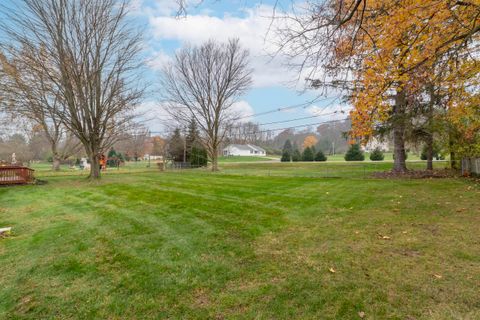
(274, 85)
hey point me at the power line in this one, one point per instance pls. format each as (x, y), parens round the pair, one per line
(299, 126)
(289, 120)
(298, 119)
(295, 106)
(304, 105)
(291, 107)
(303, 118)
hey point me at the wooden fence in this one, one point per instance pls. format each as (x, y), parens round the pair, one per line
(16, 175)
(471, 165)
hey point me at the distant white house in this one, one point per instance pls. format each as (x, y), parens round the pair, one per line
(374, 143)
(244, 150)
(152, 157)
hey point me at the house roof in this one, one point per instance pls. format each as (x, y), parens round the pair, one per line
(257, 148)
(246, 147)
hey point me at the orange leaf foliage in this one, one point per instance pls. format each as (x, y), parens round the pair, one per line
(309, 141)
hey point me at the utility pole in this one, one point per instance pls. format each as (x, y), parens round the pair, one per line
(333, 146)
(150, 152)
(184, 145)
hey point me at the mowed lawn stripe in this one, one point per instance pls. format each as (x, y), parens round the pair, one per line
(198, 245)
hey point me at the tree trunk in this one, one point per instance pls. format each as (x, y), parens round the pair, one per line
(94, 167)
(429, 142)
(56, 163)
(453, 160)
(399, 164)
(429, 138)
(214, 163)
(214, 159)
(55, 157)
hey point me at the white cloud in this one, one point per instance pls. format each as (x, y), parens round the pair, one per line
(252, 30)
(243, 110)
(153, 115)
(329, 112)
(158, 60)
(159, 7)
(135, 7)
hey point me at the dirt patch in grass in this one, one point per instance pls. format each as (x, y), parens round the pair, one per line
(202, 298)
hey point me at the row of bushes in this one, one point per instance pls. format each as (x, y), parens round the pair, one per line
(355, 153)
(308, 154)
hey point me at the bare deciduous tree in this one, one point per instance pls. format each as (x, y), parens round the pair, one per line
(204, 82)
(29, 95)
(133, 143)
(90, 54)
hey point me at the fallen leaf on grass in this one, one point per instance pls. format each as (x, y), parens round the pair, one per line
(361, 314)
(437, 276)
(332, 270)
(383, 237)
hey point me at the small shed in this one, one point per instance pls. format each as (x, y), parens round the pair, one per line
(10, 175)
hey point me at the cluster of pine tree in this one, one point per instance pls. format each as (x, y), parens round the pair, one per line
(189, 147)
(377, 155)
(196, 152)
(114, 158)
(291, 153)
(355, 153)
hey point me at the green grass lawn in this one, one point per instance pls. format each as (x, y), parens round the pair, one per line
(196, 245)
(388, 157)
(362, 169)
(246, 159)
(44, 169)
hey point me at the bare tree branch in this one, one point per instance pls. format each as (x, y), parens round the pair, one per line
(90, 55)
(204, 82)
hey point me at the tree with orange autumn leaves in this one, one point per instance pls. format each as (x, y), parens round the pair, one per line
(398, 61)
(408, 60)
(309, 141)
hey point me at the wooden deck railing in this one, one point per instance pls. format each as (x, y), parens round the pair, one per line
(16, 175)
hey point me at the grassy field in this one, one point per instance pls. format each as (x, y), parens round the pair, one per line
(320, 169)
(240, 245)
(335, 166)
(388, 157)
(247, 159)
(44, 169)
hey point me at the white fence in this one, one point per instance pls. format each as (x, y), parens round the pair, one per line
(471, 165)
